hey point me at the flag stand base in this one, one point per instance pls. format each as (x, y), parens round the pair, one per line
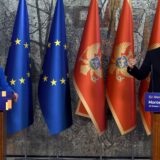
(2, 137)
(156, 136)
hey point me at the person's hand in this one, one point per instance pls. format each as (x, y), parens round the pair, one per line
(15, 97)
(132, 62)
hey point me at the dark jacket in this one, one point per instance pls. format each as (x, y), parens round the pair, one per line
(150, 63)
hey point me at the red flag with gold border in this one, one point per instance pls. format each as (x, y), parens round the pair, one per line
(153, 44)
(120, 86)
(88, 74)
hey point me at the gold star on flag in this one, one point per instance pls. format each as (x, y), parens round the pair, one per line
(28, 74)
(12, 82)
(63, 81)
(45, 78)
(17, 41)
(57, 43)
(65, 46)
(53, 82)
(26, 45)
(49, 45)
(67, 75)
(22, 80)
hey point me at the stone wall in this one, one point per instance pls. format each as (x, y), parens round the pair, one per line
(81, 139)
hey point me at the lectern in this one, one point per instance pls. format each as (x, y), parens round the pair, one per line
(156, 136)
(152, 104)
(5, 105)
(2, 138)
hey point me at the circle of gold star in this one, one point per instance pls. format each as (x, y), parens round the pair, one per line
(57, 43)
(22, 80)
(12, 82)
(67, 75)
(45, 78)
(65, 46)
(26, 45)
(28, 74)
(63, 81)
(53, 82)
(49, 45)
(17, 41)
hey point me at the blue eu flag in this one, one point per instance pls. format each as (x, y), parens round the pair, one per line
(18, 72)
(54, 93)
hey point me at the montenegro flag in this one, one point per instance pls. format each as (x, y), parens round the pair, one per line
(88, 74)
(154, 43)
(120, 85)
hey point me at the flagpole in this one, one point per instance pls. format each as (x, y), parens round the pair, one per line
(156, 136)
(2, 137)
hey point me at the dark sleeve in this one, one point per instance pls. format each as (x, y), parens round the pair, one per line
(3, 83)
(143, 71)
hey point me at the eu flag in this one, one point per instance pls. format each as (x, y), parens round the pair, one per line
(18, 72)
(54, 93)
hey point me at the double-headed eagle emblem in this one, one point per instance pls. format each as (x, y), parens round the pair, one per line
(119, 61)
(91, 62)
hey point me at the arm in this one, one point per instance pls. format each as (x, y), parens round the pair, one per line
(144, 70)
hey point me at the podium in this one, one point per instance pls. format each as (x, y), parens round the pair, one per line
(152, 104)
(5, 104)
(2, 136)
(156, 136)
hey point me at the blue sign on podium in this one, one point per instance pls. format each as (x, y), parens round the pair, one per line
(152, 102)
(6, 100)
